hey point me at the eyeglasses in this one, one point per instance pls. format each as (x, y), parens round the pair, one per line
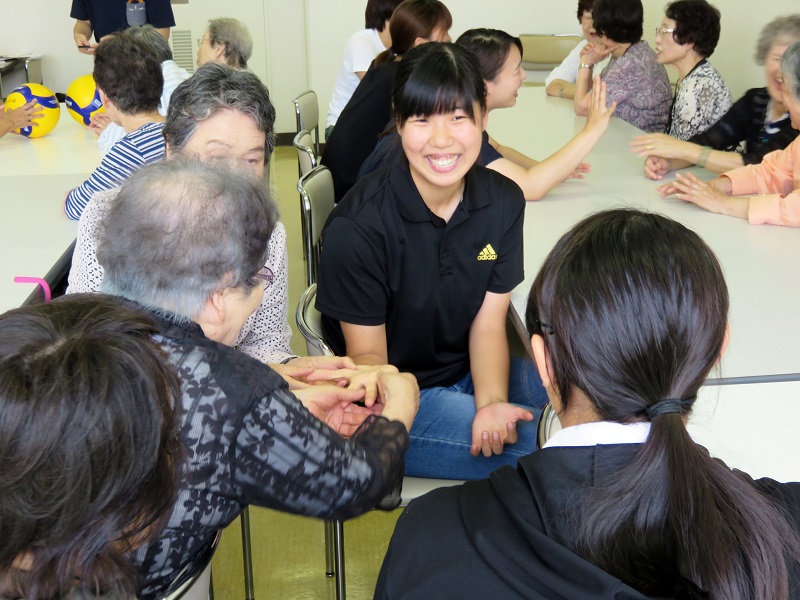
(664, 30)
(265, 275)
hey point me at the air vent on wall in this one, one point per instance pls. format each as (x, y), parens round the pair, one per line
(182, 48)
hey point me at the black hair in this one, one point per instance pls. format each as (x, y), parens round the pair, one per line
(696, 22)
(633, 308)
(378, 12)
(619, 20)
(436, 78)
(491, 47)
(129, 74)
(584, 6)
(89, 446)
(414, 19)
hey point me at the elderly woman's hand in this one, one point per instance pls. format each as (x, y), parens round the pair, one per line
(593, 54)
(336, 407)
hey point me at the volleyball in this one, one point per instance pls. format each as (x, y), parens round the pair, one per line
(48, 102)
(83, 99)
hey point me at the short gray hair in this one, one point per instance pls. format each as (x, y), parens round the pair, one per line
(216, 87)
(151, 41)
(234, 36)
(181, 230)
(790, 67)
(784, 30)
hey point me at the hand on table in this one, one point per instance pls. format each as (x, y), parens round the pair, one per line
(579, 171)
(656, 167)
(702, 193)
(494, 426)
(658, 144)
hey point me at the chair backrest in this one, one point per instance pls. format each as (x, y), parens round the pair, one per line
(545, 51)
(548, 425)
(309, 323)
(306, 110)
(306, 159)
(316, 203)
(194, 580)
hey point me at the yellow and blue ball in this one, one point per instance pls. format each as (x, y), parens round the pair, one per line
(50, 110)
(83, 99)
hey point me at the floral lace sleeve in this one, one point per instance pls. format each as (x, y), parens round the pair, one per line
(288, 460)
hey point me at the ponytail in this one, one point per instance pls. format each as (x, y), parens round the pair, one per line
(413, 19)
(676, 523)
(632, 308)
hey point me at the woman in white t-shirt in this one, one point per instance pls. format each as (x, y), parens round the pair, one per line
(359, 52)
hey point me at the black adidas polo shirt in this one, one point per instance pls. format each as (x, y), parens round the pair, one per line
(387, 259)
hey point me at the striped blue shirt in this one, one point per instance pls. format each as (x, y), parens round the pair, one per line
(145, 145)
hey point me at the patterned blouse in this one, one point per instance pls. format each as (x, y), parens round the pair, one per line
(640, 87)
(700, 101)
(266, 334)
(248, 440)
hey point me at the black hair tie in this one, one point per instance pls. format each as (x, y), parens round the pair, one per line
(663, 407)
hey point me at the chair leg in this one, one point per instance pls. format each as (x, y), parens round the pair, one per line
(330, 568)
(338, 542)
(247, 555)
(211, 585)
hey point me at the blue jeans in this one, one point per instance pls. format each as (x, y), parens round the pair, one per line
(441, 435)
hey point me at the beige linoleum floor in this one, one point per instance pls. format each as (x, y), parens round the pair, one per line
(288, 551)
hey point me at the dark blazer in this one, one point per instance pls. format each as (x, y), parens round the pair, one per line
(511, 536)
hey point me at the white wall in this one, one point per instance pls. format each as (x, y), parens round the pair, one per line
(299, 44)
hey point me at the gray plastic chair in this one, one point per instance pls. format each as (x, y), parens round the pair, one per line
(306, 159)
(306, 110)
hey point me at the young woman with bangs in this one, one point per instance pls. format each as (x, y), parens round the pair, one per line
(417, 268)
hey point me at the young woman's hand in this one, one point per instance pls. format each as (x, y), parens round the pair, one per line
(599, 114)
(494, 426)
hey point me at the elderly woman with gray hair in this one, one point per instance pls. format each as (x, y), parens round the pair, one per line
(227, 42)
(155, 44)
(220, 115)
(248, 439)
(767, 192)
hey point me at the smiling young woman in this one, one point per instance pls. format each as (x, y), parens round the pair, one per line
(417, 267)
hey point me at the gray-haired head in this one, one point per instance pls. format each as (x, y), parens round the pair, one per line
(233, 35)
(181, 230)
(216, 87)
(790, 67)
(781, 30)
(152, 41)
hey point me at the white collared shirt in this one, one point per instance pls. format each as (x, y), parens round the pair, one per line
(599, 433)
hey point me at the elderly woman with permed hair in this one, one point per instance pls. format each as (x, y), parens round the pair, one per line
(220, 115)
(227, 42)
(757, 124)
(765, 193)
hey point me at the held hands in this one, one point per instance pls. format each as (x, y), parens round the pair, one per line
(336, 407)
(494, 426)
(304, 371)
